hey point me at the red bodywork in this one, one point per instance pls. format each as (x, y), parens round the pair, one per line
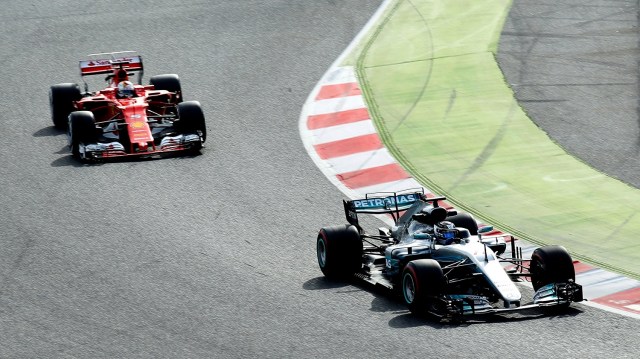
(106, 106)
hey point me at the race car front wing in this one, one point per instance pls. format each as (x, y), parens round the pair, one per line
(554, 294)
(95, 151)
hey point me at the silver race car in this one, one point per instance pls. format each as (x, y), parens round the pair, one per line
(440, 262)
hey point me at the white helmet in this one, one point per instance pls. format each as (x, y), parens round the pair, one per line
(126, 89)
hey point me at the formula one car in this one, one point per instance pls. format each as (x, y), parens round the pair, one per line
(440, 262)
(126, 119)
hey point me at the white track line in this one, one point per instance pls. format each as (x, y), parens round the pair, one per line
(342, 132)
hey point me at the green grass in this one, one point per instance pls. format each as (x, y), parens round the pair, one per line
(442, 107)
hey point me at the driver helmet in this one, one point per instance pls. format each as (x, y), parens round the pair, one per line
(126, 89)
(445, 232)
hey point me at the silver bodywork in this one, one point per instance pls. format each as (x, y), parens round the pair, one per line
(486, 263)
(475, 252)
(474, 275)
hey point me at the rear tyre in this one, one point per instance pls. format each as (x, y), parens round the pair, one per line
(422, 282)
(61, 102)
(191, 119)
(551, 264)
(465, 220)
(82, 130)
(339, 250)
(168, 82)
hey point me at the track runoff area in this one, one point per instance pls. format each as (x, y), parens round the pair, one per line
(418, 100)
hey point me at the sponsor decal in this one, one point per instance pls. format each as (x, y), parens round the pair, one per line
(137, 124)
(387, 202)
(92, 63)
(501, 285)
(391, 263)
(108, 62)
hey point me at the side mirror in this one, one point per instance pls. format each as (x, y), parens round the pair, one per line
(485, 229)
(384, 231)
(422, 236)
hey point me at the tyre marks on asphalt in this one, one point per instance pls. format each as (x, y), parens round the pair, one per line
(340, 137)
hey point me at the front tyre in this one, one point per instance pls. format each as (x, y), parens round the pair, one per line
(82, 130)
(465, 220)
(61, 101)
(551, 264)
(339, 250)
(168, 82)
(422, 282)
(191, 119)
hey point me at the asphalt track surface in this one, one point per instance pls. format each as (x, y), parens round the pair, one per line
(212, 255)
(573, 66)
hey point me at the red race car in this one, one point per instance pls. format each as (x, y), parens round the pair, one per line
(126, 119)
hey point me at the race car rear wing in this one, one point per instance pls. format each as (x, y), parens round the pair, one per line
(383, 203)
(107, 62)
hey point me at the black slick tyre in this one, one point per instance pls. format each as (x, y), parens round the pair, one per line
(551, 264)
(61, 102)
(82, 130)
(339, 250)
(464, 220)
(422, 281)
(191, 119)
(168, 82)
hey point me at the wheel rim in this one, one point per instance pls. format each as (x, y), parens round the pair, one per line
(409, 288)
(322, 253)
